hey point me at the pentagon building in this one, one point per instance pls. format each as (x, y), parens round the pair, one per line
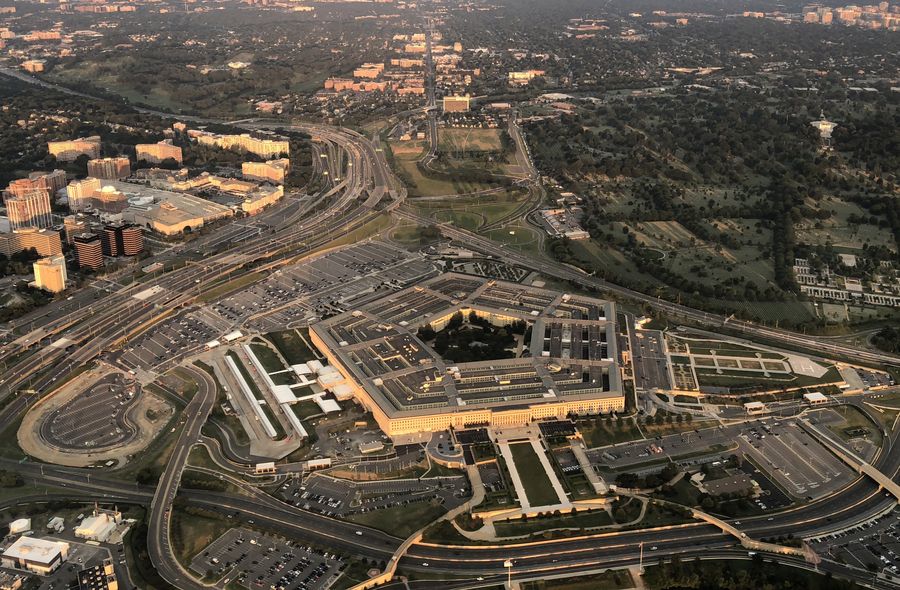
(565, 362)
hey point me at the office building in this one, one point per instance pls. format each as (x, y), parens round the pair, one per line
(156, 153)
(45, 242)
(98, 577)
(262, 147)
(70, 150)
(570, 366)
(122, 239)
(49, 182)
(39, 556)
(457, 104)
(261, 198)
(272, 171)
(109, 200)
(81, 194)
(74, 225)
(109, 168)
(89, 251)
(29, 209)
(50, 274)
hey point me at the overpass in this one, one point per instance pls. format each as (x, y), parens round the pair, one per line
(850, 458)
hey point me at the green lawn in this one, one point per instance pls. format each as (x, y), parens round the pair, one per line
(534, 478)
(292, 346)
(401, 521)
(611, 580)
(518, 527)
(272, 364)
(599, 432)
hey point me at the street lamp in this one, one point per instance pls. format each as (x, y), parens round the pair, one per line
(508, 564)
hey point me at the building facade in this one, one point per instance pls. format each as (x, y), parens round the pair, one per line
(122, 239)
(81, 193)
(70, 150)
(30, 209)
(89, 251)
(156, 153)
(109, 168)
(45, 242)
(273, 171)
(50, 274)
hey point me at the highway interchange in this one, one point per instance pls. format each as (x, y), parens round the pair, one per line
(368, 189)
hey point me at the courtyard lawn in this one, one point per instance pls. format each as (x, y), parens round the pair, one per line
(535, 480)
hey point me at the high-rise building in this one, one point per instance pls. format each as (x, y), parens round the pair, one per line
(44, 241)
(50, 273)
(109, 168)
(74, 225)
(156, 153)
(70, 150)
(48, 182)
(89, 251)
(29, 209)
(81, 193)
(272, 171)
(122, 240)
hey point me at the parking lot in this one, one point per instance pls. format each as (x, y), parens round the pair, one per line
(322, 286)
(341, 498)
(95, 418)
(794, 458)
(873, 546)
(254, 560)
(163, 346)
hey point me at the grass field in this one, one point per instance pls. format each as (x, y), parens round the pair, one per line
(537, 484)
(272, 364)
(401, 521)
(292, 345)
(598, 433)
(471, 212)
(469, 140)
(191, 533)
(518, 527)
(611, 580)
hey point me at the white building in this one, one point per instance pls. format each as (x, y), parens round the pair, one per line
(38, 556)
(99, 526)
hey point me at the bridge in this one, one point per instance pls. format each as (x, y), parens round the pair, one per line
(850, 458)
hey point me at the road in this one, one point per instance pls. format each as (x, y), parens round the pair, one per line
(159, 537)
(118, 315)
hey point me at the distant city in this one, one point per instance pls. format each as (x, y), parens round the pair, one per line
(343, 295)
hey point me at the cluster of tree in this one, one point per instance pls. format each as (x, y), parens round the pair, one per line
(23, 300)
(730, 575)
(10, 479)
(460, 341)
(19, 263)
(887, 339)
(651, 480)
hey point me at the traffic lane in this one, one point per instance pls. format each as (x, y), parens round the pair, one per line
(558, 560)
(554, 548)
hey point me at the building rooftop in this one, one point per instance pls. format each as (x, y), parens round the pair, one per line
(563, 346)
(35, 550)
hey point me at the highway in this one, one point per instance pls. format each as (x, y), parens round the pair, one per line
(347, 204)
(159, 537)
(567, 273)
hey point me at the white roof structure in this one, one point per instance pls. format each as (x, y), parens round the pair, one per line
(316, 366)
(330, 380)
(815, 397)
(284, 394)
(302, 369)
(327, 405)
(342, 391)
(40, 551)
(97, 528)
(19, 525)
